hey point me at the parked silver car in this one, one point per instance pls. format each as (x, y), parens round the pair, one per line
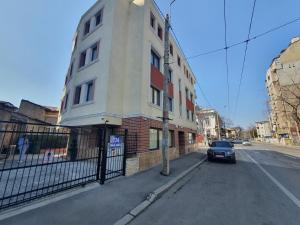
(221, 149)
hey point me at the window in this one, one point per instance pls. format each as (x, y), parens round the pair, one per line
(170, 76)
(90, 91)
(170, 104)
(192, 97)
(155, 96)
(187, 114)
(191, 138)
(153, 139)
(95, 52)
(193, 117)
(180, 108)
(87, 27)
(152, 20)
(155, 60)
(159, 32)
(82, 59)
(71, 70)
(98, 17)
(171, 49)
(77, 95)
(187, 93)
(66, 101)
(178, 61)
(179, 84)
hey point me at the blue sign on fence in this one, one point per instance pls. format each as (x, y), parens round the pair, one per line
(116, 141)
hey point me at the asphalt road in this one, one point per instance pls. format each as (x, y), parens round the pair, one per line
(263, 188)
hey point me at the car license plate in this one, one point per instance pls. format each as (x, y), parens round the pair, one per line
(219, 156)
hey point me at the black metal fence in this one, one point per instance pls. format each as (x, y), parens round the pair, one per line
(38, 160)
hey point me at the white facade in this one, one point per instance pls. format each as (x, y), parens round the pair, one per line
(263, 129)
(121, 73)
(209, 123)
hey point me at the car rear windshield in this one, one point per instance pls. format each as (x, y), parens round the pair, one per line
(222, 144)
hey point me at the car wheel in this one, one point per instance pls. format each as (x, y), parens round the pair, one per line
(233, 160)
(209, 158)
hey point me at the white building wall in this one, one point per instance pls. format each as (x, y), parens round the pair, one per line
(122, 72)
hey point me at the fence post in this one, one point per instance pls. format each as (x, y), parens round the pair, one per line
(72, 148)
(100, 134)
(125, 151)
(104, 156)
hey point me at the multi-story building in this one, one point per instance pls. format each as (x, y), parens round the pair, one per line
(209, 123)
(283, 84)
(263, 129)
(116, 76)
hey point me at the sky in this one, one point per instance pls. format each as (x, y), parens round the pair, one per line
(36, 36)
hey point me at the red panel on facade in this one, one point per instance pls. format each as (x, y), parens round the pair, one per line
(157, 80)
(190, 105)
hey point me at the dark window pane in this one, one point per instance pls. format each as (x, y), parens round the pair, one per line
(99, 16)
(82, 59)
(77, 95)
(87, 27)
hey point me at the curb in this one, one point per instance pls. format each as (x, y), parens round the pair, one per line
(154, 196)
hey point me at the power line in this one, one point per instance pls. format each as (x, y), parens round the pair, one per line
(244, 41)
(201, 90)
(226, 57)
(244, 58)
(203, 94)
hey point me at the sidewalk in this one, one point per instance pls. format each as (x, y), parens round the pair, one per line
(105, 204)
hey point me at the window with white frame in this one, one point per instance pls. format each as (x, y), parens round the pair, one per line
(66, 101)
(155, 60)
(77, 95)
(155, 96)
(90, 89)
(152, 20)
(87, 27)
(94, 52)
(82, 59)
(99, 17)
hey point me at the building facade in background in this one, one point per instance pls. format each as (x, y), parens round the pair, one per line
(283, 85)
(209, 124)
(116, 77)
(263, 129)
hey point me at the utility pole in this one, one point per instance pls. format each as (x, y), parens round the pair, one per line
(165, 143)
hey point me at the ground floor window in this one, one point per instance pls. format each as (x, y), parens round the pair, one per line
(191, 138)
(155, 139)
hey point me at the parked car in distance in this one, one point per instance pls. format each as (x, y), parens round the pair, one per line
(247, 143)
(221, 149)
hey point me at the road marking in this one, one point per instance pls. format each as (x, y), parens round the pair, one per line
(275, 181)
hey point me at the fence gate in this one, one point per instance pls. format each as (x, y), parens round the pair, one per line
(37, 160)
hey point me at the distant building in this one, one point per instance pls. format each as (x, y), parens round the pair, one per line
(283, 85)
(116, 78)
(209, 123)
(263, 129)
(18, 118)
(45, 114)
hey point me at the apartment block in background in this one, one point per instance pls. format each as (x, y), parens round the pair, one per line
(116, 76)
(283, 85)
